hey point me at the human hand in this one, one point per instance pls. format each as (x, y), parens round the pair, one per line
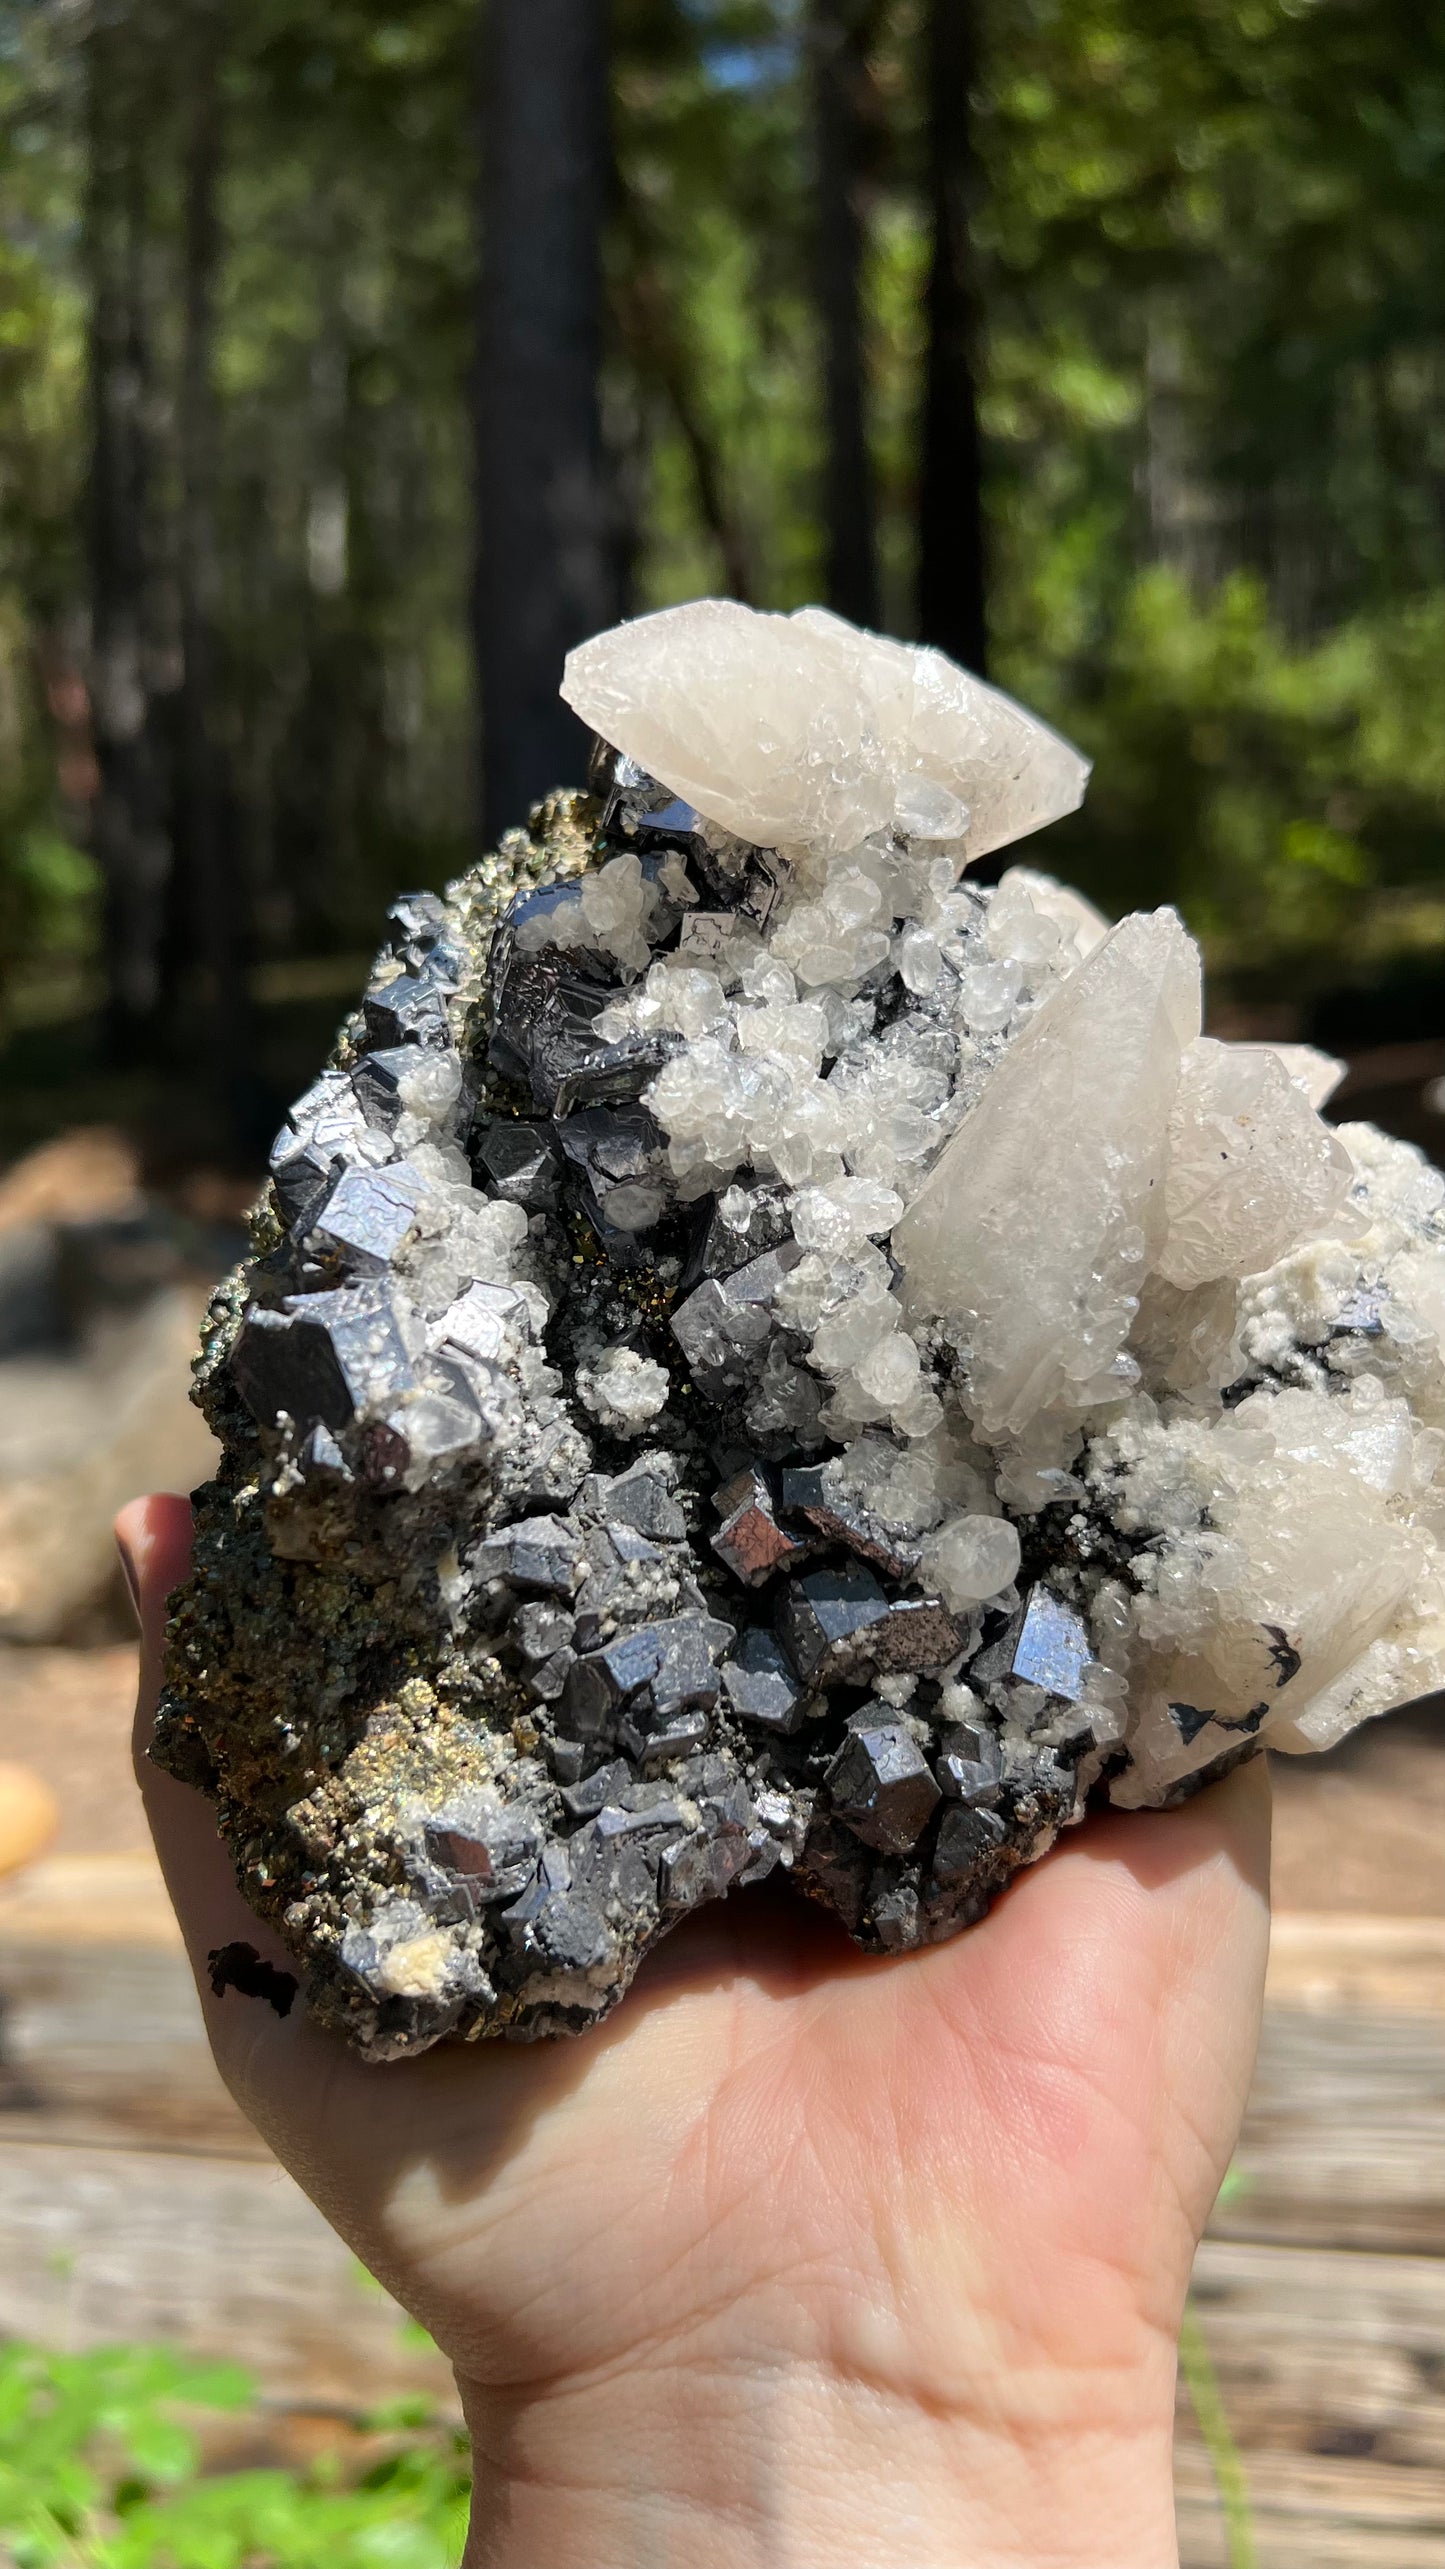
(802, 2258)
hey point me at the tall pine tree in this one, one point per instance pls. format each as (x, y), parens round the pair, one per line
(546, 573)
(952, 587)
(838, 32)
(131, 816)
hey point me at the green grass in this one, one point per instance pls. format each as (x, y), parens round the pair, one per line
(101, 2468)
(1197, 2366)
(1202, 2383)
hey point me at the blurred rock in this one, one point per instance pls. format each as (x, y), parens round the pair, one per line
(67, 1715)
(29, 1817)
(87, 1175)
(101, 1294)
(29, 1287)
(81, 1433)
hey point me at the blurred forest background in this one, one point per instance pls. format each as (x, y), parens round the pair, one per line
(1106, 337)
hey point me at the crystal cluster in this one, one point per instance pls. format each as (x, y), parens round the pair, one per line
(763, 1359)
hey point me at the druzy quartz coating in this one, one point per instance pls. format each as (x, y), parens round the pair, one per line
(761, 1359)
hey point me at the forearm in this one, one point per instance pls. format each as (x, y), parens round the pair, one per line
(788, 2470)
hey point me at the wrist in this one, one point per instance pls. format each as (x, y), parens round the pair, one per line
(784, 2465)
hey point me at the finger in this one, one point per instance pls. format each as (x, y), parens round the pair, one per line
(1223, 1833)
(154, 1539)
(1136, 1875)
(1183, 1897)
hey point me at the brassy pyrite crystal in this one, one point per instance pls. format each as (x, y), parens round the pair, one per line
(762, 1359)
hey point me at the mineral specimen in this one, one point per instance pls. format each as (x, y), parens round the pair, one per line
(762, 1359)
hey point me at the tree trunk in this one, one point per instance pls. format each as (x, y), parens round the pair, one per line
(212, 909)
(130, 830)
(952, 590)
(546, 566)
(655, 341)
(837, 34)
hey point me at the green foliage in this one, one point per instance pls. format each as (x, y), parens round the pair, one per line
(1202, 2383)
(1290, 796)
(100, 2465)
(78, 2430)
(46, 886)
(1229, 208)
(1212, 357)
(712, 297)
(49, 904)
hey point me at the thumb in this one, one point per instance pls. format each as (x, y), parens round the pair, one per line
(153, 1537)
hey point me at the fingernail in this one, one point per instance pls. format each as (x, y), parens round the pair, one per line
(128, 1571)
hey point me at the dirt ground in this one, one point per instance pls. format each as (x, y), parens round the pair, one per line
(1360, 1830)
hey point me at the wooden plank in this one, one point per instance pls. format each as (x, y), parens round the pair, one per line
(134, 2200)
(225, 2257)
(67, 1715)
(1326, 2352)
(1344, 2140)
(1317, 1959)
(1331, 2366)
(101, 2039)
(1325, 1962)
(98, 1901)
(109, 2049)
(1315, 2514)
(1344, 2144)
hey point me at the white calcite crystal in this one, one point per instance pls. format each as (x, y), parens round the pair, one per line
(1033, 1233)
(972, 1558)
(801, 731)
(1317, 1073)
(764, 1358)
(1251, 1167)
(624, 1391)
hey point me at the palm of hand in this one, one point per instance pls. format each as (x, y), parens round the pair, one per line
(972, 2178)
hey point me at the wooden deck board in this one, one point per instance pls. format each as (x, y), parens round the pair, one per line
(1327, 2353)
(107, 2050)
(1344, 2144)
(135, 2201)
(1316, 2514)
(223, 2256)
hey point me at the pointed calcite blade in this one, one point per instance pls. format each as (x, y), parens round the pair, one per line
(1034, 1231)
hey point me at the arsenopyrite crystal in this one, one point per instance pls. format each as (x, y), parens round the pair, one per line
(760, 1359)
